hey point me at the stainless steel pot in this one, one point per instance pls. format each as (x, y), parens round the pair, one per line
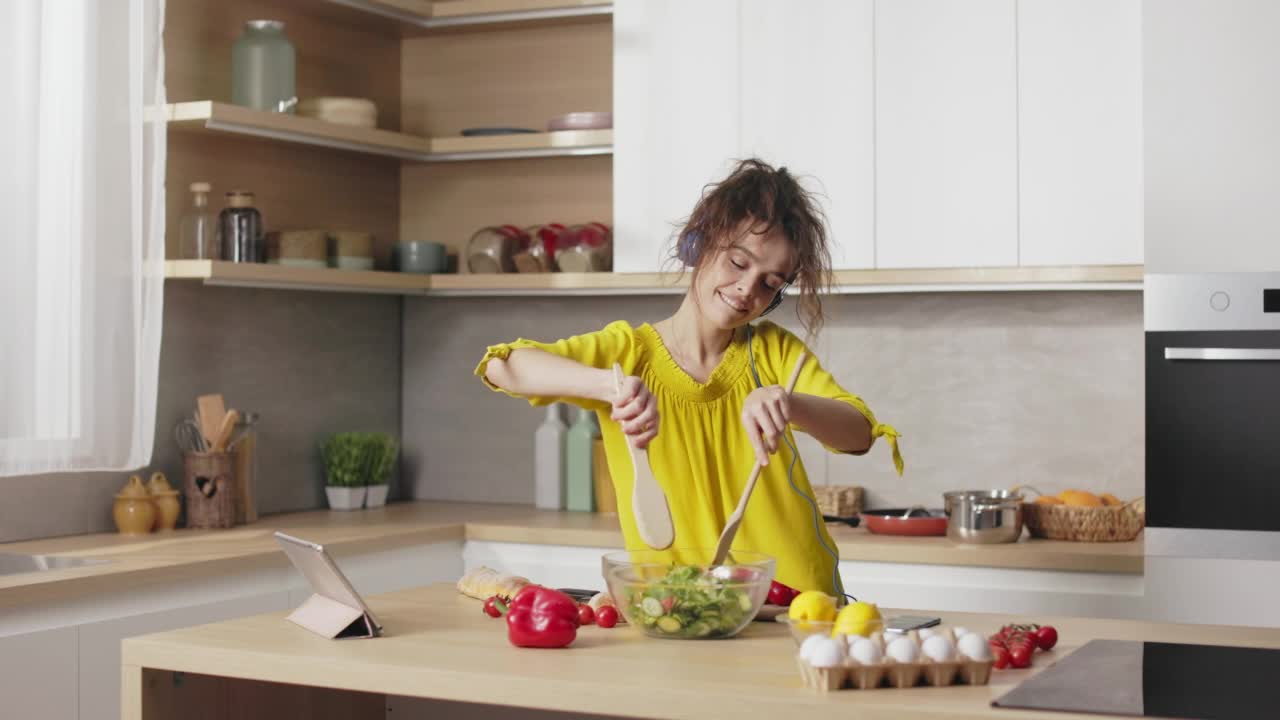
(983, 516)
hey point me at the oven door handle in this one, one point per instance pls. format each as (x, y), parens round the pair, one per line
(1254, 354)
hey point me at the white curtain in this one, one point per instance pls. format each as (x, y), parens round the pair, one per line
(82, 241)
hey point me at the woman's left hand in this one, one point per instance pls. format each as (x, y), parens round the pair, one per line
(765, 415)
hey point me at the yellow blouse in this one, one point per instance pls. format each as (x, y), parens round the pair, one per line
(702, 456)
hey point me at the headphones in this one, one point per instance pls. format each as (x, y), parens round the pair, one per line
(689, 248)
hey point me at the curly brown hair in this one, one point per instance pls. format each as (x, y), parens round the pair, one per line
(767, 198)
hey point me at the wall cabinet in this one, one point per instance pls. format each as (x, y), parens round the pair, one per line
(989, 133)
(1080, 132)
(946, 134)
(676, 74)
(792, 54)
(1211, 76)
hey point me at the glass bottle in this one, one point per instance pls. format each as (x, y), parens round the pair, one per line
(240, 229)
(579, 487)
(263, 68)
(198, 228)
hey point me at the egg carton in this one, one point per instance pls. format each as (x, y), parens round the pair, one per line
(895, 675)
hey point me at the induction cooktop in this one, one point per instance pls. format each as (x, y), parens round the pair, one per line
(1151, 679)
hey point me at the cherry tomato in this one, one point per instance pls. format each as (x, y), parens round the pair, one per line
(780, 594)
(1000, 654)
(607, 616)
(586, 615)
(495, 607)
(1047, 637)
(1020, 656)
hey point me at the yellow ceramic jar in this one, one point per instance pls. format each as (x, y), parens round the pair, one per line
(165, 498)
(133, 510)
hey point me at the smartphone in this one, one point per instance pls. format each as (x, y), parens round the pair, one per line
(578, 594)
(907, 623)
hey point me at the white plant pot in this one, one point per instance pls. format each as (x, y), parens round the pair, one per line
(377, 496)
(345, 498)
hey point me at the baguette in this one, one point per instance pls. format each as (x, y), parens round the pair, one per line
(483, 583)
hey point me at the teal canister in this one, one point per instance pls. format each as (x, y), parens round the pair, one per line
(579, 488)
(263, 68)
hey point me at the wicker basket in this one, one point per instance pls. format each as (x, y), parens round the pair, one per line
(1113, 523)
(210, 490)
(838, 500)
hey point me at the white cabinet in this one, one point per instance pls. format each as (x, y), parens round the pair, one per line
(1080, 132)
(37, 675)
(807, 103)
(675, 98)
(99, 657)
(946, 134)
(1212, 105)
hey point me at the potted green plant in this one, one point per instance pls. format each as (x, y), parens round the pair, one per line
(382, 449)
(345, 466)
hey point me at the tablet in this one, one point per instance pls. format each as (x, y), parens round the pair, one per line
(323, 574)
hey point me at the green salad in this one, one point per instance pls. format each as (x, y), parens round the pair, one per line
(691, 603)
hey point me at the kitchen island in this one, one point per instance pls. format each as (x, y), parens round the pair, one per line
(438, 645)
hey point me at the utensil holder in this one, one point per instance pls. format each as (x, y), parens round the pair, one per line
(209, 473)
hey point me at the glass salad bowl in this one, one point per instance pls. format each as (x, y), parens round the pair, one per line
(687, 598)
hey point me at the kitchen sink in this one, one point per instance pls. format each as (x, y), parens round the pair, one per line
(14, 563)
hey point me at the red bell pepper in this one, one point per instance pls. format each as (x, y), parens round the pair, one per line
(542, 617)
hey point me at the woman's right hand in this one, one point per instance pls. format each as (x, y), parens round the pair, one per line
(636, 410)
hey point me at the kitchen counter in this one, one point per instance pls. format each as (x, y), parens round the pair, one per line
(439, 645)
(187, 553)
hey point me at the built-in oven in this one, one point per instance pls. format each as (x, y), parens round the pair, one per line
(1213, 415)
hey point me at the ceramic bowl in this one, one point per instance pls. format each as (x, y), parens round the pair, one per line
(420, 257)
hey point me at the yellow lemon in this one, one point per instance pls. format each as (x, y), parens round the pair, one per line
(812, 605)
(860, 618)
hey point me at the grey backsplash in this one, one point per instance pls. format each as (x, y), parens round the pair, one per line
(310, 362)
(987, 389)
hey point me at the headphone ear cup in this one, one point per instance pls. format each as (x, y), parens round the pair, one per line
(687, 248)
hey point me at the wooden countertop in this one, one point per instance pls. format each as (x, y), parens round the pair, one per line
(184, 553)
(439, 645)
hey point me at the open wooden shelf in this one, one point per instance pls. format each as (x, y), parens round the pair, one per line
(563, 143)
(210, 116)
(217, 272)
(211, 272)
(427, 16)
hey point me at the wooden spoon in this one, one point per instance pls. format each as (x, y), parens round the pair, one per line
(648, 502)
(731, 527)
(210, 409)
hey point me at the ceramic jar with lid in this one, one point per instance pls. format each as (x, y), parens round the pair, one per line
(133, 510)
(165, 498)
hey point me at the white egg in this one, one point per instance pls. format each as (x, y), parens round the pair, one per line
(865, 652)
(806, 647)
(902, 650)
(825, 654)
(974, 647)
(926, 633)
(960, 631)
(877, 637)
(938, 649)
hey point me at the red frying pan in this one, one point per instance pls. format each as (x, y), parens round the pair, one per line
(905, 521)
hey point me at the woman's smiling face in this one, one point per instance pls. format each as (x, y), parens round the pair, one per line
(741, 278)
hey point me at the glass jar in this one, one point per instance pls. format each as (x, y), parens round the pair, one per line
(198, 227)
(263, 68)
(240, 229)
